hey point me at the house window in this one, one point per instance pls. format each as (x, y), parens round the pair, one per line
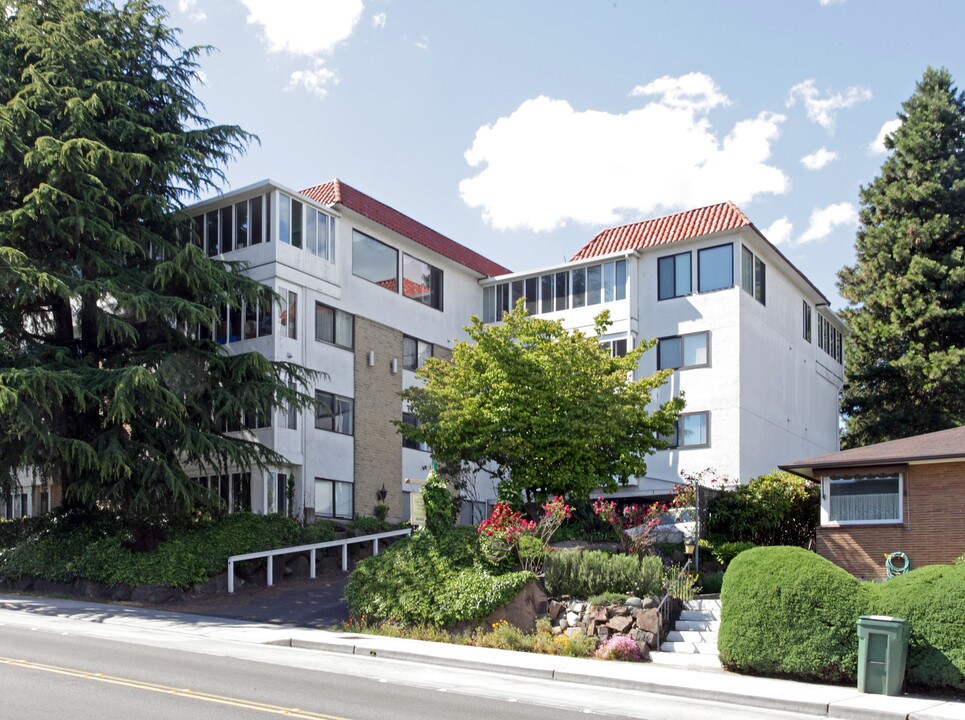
(532, 295)
(240, 492)
(806, 321)
(693, 430)
(241, 224)
(410, 419)
(862, 499)
(421, 282)
(579, 288)
(830, 339)
(684, 351)
(333, 498)
(546, 284)
(715, 268)
(334, 326)
(320, 234)
(753, 279)
(277, 492)
(562, 290)
(288, 315)
(257, 419)
(334, 413)
(290, 221)
(226, 230)
(489, 304)
(594, 284)
(673, 276)
(375, 261)
(615, 281)
(211, 232)
(617, 348)
(502, 300)
(415, 352)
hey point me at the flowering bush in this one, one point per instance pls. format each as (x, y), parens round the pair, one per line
(506, 531)
(619, 647)
(633, 524)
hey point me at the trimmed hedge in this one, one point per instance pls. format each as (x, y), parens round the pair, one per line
(431, 580)
(788, 611)
(583, 573)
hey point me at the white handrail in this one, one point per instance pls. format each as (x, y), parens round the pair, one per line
(344, 543)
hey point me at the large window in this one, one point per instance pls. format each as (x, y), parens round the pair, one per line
(375, 261)
(320, 234)
(830, 339)
(334, 413)
(715, 268)
(673, 276)
(753, 275)
(334, 326)
(288, 314)
(684, 351)
(693, 430)
(421, 282)
(410, 419)
(333, 498)
(862, 499)
(415, 352)
(290, 221)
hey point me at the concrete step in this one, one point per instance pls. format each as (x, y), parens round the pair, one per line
(698, 625)
(710, 615)
(702, 605)
(689, 648)
(695, 661)
(692, 636)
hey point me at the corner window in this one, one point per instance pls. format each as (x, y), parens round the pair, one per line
(684, 351)
(421, 282)
(861, 499)
(806, 321)
(693, 430)
(288, 316)
(334, 413)
(715, 268)
(334, 326)
(753, 278)
(410, 419)
(415, 352)
(673, 276)
(375, 261)
(333, 498)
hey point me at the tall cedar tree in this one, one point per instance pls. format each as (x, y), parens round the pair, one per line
(543, 410)
(906, 353)
(100, 139)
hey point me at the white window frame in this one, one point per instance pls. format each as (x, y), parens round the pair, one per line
(826, 520)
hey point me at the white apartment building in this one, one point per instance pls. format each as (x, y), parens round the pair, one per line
(756, 351)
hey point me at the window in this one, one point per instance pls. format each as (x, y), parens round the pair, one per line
(277, 491)
(334, 413)
(288, 317)
(806, 321)
(673, 276)
(320, 234)
(255, 222)
(753, 275)
(715, 268)
(546, 285)
(421, 282)
(502, 300)
(862, 499)
(594, 285)
(684, 351)
(579, 288)
(830, 339)
(415, 352)
(409, 419)
(226, 234)
(375, 261)
(693, 430)
(562, 290)
(334, 326)
(257, 419)
(617, 348)
(333, 498)
(290, 229)
(532, 296)
(211, 232)
(241, 224)
(240, 492)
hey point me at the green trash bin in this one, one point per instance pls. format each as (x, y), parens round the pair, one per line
(882, 653)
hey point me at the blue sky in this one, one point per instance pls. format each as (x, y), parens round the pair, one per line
(522, 128)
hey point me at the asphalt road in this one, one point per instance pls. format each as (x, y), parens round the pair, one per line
(51, 669)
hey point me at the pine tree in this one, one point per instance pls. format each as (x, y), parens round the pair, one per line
(104, 386)
(906, 354)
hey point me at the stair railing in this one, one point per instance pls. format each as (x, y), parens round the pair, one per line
(668, 610)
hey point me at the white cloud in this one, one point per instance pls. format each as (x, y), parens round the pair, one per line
(823, 110)
(693, 90)
(824, 220)
(189, 8)
(547, 163)
(877, 146)
(819, 158)
(422, 43)
(315, 80)
(825, 3)
(779, 231)
(378, 20)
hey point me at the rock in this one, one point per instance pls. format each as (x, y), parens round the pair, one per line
(554, 608)
(591, 627)
(156, 594)
(574, 632)
(214, 586)
(620, 623)
(556, 630)
(522, 610)
(648, 620)
(599, 613)
(603, 633)
(572, 619)
(299, 566)
(88, 589)
(619, 611)
(563, 624)
(51, 587)
(577, 607)
(634, 602)
(649, 602)
(121, 592)
(644, 651)
(642, 636)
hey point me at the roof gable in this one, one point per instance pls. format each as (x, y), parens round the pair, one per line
(337, 192)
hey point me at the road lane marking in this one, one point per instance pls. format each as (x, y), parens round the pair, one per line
(290, 712)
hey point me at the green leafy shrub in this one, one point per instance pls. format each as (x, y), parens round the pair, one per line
(370, 525)
(726, 551)
(774, 509)
(591, 572)
(440, 517)
(788, 611)
(319, 531)
(710, 583)
(932, 599)
(14, 531)
(431, 579)
(584, 524)
(608, 598)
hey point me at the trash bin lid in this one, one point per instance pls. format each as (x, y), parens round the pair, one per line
(886, 618)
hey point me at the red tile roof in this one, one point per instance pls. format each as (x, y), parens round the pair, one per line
(665, 230)
(941, 445)
(337, 192)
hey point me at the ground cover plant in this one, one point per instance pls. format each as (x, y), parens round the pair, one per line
(583, 573)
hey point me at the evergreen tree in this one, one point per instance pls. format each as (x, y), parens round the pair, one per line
(905, 373)
(104, 386)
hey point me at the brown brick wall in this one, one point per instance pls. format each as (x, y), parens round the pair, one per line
(933, 531)
(378, 445)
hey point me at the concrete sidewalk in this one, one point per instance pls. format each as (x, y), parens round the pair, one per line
(721, 687)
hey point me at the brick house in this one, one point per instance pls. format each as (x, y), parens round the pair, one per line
(904, 495)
